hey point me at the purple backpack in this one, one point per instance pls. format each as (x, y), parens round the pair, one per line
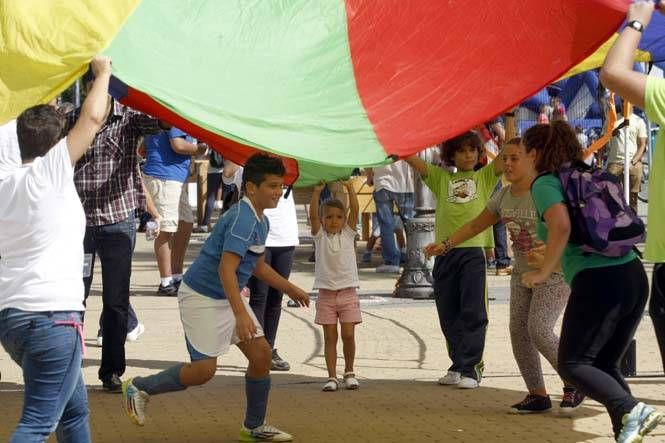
(601, 220)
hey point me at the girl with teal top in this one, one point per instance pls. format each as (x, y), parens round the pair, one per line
(607, 296)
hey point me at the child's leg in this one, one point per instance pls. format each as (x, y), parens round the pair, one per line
(473, 310)
(524, 350)
(446, 296)
(547, 305)
(178, 377)
(349, 345)
(257, 380)
(330, 349)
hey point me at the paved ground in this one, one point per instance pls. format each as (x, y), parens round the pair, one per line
(399, 357)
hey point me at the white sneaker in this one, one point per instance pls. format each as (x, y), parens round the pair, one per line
(135, 333)
(265, 432)
(387, 269)
(468, 383)
(350, 381)
(134, 402)
(100, 341)
(451, 378)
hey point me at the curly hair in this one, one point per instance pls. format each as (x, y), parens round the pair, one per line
(555, 144)
(450, 147)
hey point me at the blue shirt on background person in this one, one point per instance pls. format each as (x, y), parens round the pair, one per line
(162, 161)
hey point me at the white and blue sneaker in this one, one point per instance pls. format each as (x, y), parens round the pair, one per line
(265, 432)
(641, 420)
(134, 402)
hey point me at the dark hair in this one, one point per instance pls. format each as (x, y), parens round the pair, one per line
(258, 166)
(38, 129)
(332, 203)
(514, 141)
(555, 144)
(450, 147)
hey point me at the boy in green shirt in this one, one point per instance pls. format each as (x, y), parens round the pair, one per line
(460, 289)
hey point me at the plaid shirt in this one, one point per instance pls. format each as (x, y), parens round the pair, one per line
(107, 177)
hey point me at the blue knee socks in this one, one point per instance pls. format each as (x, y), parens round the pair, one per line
(256, 391)
(165, 381)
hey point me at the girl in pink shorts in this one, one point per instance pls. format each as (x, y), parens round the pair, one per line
(336, 278)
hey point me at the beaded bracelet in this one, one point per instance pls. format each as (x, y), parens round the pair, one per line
(447, 246)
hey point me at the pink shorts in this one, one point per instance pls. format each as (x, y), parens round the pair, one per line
(343, 304)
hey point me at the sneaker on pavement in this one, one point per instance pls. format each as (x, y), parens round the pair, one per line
(532, 404)
(572, 399)
(134, 402)
(451, 378)
(504, 271)
(468, 383)
(200, 229)
(367, 257)
(135, 333)
(292, 304)
(112, 384)
(641, 420)
(265, 432)
(177, 284)
(387, 269)
(167, 291)
(278, 364)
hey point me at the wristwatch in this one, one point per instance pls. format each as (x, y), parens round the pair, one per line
(639, 27)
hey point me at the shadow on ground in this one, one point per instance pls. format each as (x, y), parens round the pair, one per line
(380, 411)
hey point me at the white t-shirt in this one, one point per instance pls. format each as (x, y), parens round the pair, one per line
(10, 156)
(336, 267)
(41, 239)
(396, 177)
(283, 220)
(637, 129)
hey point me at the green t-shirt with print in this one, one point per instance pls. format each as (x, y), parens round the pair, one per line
(655, 109)
(460, 197)
(547, 192)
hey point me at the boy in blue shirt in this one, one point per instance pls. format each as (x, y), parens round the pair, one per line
(213, 313)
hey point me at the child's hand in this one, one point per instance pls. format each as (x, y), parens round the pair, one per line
(433, 249)
(532, 279)
(320, 186)
(299, 296)
(245, 327)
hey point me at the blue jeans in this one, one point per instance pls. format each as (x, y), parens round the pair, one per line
(114, 244)
(55, 398)
(384, 201)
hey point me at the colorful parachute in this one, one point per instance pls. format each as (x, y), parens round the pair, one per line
(331, 85)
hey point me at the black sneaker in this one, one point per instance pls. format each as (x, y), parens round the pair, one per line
(112, 384)
(572, 399)
(278, 364)
(169, 290)
(532, 404)
(177, 283)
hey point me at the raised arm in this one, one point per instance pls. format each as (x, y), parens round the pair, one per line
(314, 220)
(418, 164)
(354, 207)
(617, 73)
(93, 112)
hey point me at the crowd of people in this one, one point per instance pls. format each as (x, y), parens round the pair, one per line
(75, 177)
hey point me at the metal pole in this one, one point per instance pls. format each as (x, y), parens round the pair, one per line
(77, 93)
(626, 161)
(416, 279)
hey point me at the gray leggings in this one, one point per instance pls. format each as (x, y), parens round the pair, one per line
(533, 314)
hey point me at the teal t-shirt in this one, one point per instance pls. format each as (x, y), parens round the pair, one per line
(547, 192)
(460, 197)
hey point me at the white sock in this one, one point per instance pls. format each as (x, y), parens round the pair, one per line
(167, 280)
(177, 277)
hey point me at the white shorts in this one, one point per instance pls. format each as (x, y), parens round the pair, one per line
(172, 202)
(209, 324)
